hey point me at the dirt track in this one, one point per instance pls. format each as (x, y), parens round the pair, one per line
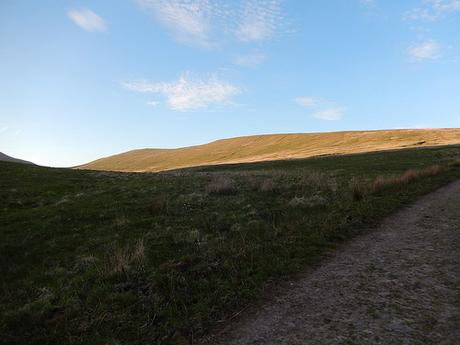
(399, 284)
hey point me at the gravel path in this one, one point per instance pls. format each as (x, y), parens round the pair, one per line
(399, 284)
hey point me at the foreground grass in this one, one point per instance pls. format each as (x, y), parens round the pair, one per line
(104, 258)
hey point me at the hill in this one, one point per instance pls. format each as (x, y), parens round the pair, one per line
(115, 258)
(6, 158)
(273, 147)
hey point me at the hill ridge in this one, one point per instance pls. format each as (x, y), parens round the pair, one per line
(265, 147)
(5, 158)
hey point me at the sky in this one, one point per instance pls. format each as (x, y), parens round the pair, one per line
(85, 79)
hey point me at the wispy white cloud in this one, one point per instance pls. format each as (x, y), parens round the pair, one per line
(431, 10)
(204, 22)
(330, 114)
(87, 20)
(369, 3)
(259, 20)
(189, 20)
(251, 59)
(426, 50)
(190, 92)
(307, 101)
(152, 103)
(323, 109)
(10, 131)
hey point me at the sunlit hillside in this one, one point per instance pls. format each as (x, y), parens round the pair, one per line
(274, 147)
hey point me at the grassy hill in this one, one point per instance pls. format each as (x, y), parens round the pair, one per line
(6, 158)
(89, 257)
(273, 147)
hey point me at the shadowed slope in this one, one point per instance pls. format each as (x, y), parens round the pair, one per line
(6, 158)
(273, 147)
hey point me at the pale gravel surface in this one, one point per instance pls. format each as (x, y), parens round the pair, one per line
(399, 284)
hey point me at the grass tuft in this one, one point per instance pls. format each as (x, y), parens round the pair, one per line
(409, 176)
(312, 201)
(126, 259)
(268, 186)
(158, 205)
(221, 185)
(358, 189)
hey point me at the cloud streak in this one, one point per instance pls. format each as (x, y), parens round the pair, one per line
(203, 22)
(307, 101)
(432, 10)
(259, 20)
(189, 92)
(427, 50)
(152, 103)
(323, 109)
(188, 20)
(330, 114)
(251, 59)
(87, 20)
(370, 3)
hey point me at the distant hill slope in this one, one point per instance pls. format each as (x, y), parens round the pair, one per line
(6, 158)
(273, 147)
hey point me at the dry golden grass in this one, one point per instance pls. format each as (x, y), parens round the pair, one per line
(433, 170)
(274, 147)
(408, 176)
(382, 182)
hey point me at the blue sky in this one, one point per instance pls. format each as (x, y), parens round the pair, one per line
(85, 79)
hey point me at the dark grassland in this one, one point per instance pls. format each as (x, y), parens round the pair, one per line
(112, 258)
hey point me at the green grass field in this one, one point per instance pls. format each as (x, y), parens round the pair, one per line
(121, 258)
